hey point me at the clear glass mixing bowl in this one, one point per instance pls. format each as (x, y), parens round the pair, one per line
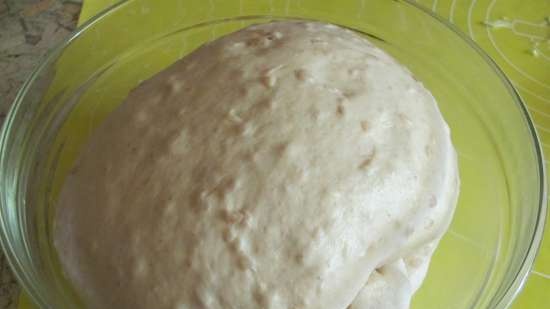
(481, 262)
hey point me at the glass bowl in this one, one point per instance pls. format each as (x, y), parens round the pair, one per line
(482, 261)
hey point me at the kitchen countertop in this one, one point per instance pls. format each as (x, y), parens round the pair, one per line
(28, 29)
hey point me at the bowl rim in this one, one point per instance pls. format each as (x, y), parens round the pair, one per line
(511, 292)
(521, 276)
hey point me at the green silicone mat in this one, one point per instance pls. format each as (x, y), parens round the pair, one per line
(516, 34)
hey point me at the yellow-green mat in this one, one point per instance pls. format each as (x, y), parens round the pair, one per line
(516, 33)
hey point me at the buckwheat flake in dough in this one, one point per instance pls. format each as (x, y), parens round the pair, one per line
(289, 165)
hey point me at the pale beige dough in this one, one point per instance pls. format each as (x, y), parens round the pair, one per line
(277, 167)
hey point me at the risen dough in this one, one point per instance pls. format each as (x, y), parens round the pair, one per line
(290, 165)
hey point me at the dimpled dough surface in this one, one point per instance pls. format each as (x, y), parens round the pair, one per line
(287, 165)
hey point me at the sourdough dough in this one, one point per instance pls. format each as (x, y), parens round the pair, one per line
(289, 165)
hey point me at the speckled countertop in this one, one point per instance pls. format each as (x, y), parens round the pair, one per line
(28, 29)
